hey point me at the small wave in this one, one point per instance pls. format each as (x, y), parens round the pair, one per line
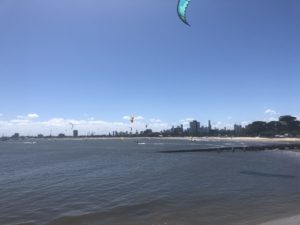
(27, 223)
(123, 215)
(294, 154)
(29, 142)
(263, 174)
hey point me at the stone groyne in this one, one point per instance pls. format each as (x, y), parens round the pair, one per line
(294, 146)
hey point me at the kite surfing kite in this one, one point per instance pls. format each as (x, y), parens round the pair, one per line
(132, 119)
(182, 9)
(72, 126)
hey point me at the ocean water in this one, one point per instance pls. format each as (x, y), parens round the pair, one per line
(122, 182)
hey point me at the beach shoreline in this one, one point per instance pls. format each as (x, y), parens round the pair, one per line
(256, 139)
(293, 220)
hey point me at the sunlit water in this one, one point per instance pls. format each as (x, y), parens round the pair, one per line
(121, 182)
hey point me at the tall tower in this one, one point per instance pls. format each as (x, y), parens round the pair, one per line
(75, 133)
(209, 126)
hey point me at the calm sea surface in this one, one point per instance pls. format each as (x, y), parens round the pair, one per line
(121, 182)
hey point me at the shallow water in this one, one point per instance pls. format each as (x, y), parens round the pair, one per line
(122, 182)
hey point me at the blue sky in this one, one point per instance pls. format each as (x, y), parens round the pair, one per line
(86, 60)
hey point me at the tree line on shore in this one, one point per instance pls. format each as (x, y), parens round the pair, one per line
(285, 126)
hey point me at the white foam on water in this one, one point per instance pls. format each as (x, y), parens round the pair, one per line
(294, 154)
(29, 142)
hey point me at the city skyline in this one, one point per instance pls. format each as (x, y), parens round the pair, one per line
(32, 124)
(94, 62)
(284, 126)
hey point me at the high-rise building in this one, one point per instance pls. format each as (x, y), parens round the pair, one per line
(237, 129)
(177, 131)
(75, 133)
(209, 126)
(194, 127)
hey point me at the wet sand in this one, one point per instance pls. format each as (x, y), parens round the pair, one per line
(294, 220)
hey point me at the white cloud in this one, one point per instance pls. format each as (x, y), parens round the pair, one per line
(271, 119)
(272, 115)
(155, 120)
(19, 121)
(126, 117)
(28, 126)
(219, 125)
(33, 116)
(245, 123)
(158, 126)
(2, 123)
(29, 116)
(271, 112)
(189, 119)
(186, 122)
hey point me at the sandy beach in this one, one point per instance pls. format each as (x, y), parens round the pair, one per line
(294, 220)
(256, 139)
(250, 139)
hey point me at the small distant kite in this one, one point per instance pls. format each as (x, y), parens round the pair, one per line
(72, 126)
(181, 10)
(132, 119)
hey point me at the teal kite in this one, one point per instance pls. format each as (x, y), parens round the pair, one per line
(181, 10)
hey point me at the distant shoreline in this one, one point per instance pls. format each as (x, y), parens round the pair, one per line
(183, 138)
(246, 139)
